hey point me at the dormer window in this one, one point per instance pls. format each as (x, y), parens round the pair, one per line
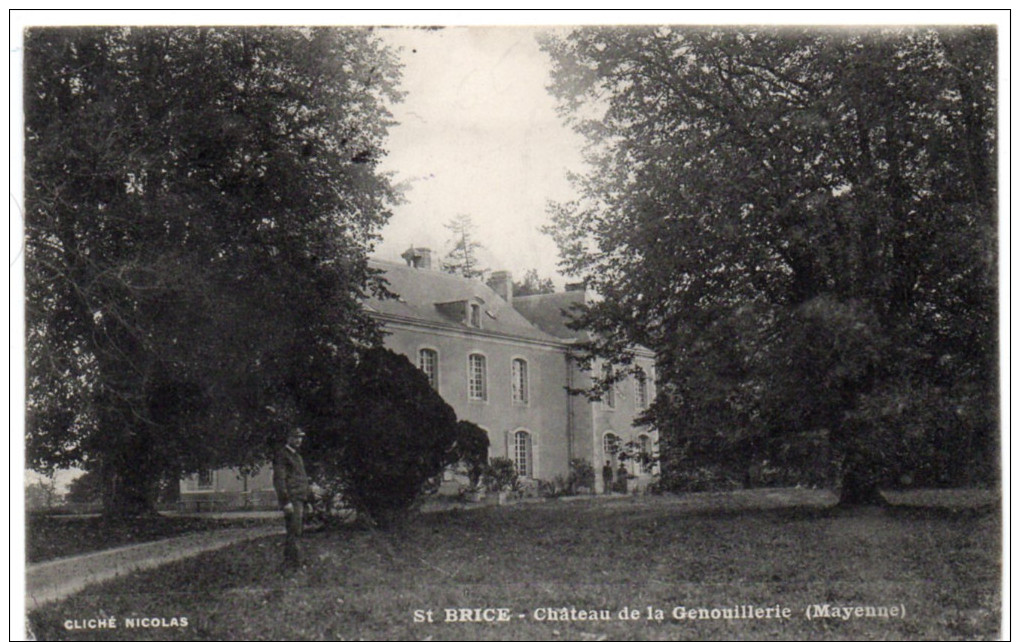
(464, 311)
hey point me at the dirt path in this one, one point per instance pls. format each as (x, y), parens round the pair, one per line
(56, 579)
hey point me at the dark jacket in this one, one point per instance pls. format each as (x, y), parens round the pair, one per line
(289, 477)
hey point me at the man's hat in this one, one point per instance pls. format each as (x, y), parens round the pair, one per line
(296, 432)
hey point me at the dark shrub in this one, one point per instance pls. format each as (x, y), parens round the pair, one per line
(85, 489)
(471, 449)
(581, 478)
(392, 432)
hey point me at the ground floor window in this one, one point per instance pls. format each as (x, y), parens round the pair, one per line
(611, 446)
(522, 453)
(645, 453)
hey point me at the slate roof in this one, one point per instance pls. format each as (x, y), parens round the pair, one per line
(552, 312)
(424, 291)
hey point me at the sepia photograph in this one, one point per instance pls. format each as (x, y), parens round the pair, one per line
(644, 328)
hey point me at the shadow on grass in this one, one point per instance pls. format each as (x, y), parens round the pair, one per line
(50, 537)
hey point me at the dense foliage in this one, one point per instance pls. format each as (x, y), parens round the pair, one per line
(390, 434)
(801, 223)
(85, 489)
(471, 450)
(581, 477)
(501, 475)
(200, 204)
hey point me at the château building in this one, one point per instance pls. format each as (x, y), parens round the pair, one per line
(500, 361)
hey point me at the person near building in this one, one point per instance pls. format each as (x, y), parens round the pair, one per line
(292, 491)
(621, 479)
(607, 478)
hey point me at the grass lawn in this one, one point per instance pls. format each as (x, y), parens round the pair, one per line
(49, 537)
(941, 565)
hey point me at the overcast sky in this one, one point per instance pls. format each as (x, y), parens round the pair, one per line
(478, 134)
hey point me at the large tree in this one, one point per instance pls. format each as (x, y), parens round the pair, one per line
(200, 203)
(801, 223)
(463, 258)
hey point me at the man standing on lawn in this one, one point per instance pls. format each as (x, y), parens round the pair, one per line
(621, 479)
(291, 483)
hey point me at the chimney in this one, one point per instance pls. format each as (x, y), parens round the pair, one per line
(420, 258)
(502, 282)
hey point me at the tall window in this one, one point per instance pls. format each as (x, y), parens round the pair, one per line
(519, 381)
(609, 398)
(611, 446)
(476, 377)
(428, 361)
(475, 318)
(522, 453)
(641, 389)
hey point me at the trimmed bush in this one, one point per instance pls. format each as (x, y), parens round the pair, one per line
(391, 434)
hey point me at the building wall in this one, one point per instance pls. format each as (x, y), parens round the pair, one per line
(560, 426)
(596, 419)
(543, 417)
(229, 490)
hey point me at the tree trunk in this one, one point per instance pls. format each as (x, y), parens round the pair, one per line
(129, 491)
(859, 487)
